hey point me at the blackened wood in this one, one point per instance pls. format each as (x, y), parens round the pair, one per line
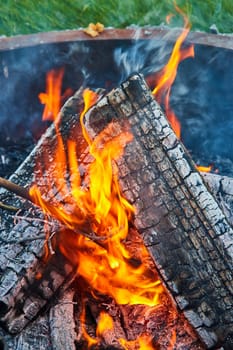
(22, 291)
(19, 235)
(222, 188)
(61, 321)
(16, 189)
(181, 223)
(159, 323)
(36, 336)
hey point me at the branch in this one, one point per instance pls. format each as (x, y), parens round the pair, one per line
(24, 193)
(8, 207)
(16, 189)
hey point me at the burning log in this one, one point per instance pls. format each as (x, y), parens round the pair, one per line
(28, 279)
(61, 317)
(179, 220)
(181, 223)
(221, 187)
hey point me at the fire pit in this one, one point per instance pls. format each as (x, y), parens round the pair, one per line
(21, 305)
(201, 95)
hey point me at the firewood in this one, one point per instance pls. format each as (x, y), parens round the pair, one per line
(24, 194)
(18, 190)
(181, 223)
(221, 187)
(156, 175)
(130, 322)
(36, 336)
(27, 282)
(8, 207)
(61, 321)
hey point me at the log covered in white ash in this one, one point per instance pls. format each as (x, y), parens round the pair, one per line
(29, 280)
(179, 220)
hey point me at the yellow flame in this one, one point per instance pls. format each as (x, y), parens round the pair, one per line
(168, 74)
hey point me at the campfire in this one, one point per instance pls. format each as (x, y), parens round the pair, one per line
(126, 247)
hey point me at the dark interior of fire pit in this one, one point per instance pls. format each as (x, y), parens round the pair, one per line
(201, 95)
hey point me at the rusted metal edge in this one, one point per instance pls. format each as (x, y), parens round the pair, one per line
(201, 38)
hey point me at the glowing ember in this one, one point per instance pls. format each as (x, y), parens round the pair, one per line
(105, 323)
(142, 343)
(204, 169)
(172, 341)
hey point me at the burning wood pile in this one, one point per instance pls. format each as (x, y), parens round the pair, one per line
(117, 242)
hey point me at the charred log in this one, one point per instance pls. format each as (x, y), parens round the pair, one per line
(27, 281)
(221, 187)
(61, 322)
(181, 223)
(162, 326)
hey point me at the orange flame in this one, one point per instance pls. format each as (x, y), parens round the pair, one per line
(52, 98)
(96, 206)
(90, 340)
(105, 323)
(172, 343)
(168, 74)
(93, 205)
(204, 169)
(143, 342)
(169, 17)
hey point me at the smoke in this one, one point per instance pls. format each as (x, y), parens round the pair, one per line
(143, 56)
(201, 95)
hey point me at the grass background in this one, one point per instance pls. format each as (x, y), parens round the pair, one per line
(31, 16)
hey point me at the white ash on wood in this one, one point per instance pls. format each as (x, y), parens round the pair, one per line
(179, 220)
(28, 282)
(181, 223)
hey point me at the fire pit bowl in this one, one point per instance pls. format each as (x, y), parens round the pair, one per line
(201, 95)
(177, 217)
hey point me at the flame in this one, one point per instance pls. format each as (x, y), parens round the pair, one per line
(204, 169)
(167, 75)
(169, 17)
(172, 343)
(105, 323)
(93, 210)
(96, 206)
(143, 342)
(93, 205)
(90, 340)
(52, 98)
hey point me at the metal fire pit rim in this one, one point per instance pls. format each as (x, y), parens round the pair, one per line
(132, 33)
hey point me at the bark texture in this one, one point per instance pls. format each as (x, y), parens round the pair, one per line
(222, 188)
(27, 281)
(181, 223)
(179, 220)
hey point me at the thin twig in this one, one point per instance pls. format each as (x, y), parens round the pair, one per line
(27, 218)
(49, 242)
(18, 190)
(8, 207)
(24, 193)
(23, 240)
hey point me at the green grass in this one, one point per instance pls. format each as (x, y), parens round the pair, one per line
(31, 16)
